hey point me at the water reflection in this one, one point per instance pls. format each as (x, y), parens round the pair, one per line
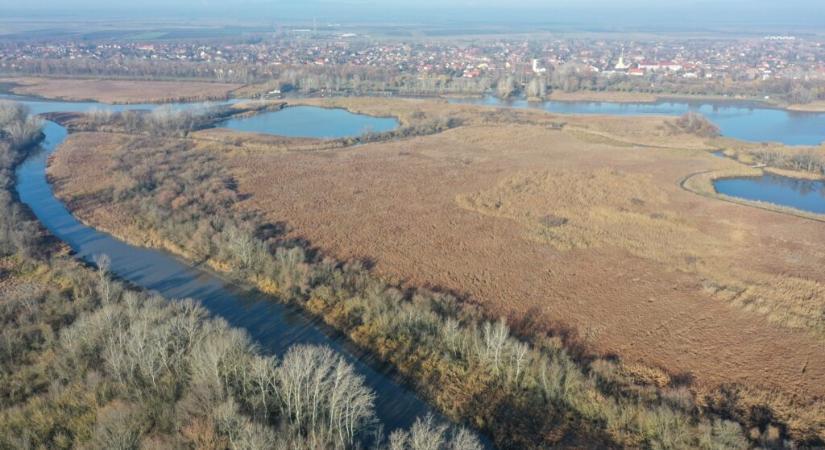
(805, 195)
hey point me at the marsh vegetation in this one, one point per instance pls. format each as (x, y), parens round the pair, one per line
(524, 387)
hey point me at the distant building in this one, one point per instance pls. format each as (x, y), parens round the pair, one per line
(662, 65)
(537, 68)
(621, 66)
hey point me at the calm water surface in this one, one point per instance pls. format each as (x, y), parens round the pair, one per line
(736, 120)
(308, 121)
(273, 326)
(805, 195)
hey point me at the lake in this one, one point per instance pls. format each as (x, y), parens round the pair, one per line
(805, 195)
(745, 121)
(310, 121)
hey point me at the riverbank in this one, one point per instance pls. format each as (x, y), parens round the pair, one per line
(80, 368)
(818, 106)
(159, 272)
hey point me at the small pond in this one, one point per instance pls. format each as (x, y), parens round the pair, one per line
(805, 195)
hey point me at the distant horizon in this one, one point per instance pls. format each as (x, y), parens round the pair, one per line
(687, 15)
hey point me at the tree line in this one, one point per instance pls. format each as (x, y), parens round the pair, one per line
(809, 160)
(86, 362)
(169, 120)
(18, 132)
(359, 80)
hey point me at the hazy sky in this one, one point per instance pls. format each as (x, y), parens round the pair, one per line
(683, 13)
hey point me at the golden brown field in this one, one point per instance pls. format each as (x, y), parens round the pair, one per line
(586, 227)
(120, 91)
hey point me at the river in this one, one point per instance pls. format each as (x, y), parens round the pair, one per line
(273, 326)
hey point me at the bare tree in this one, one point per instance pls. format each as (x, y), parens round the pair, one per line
(292, 269)
(12, 112)
(17, 125)
(117, 429)
(520, 352)
(427, 434)
(323, 396)
(695, 123)
(263, 379)
(494, 337)
(506, 87)
(217, 356)
(453, 336)
(243, 246)
(101, 116)
(104, 284)
(537, 89)
(464, 439)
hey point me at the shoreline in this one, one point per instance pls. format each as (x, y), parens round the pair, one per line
(813, 107)
(641, 98)
(702, 183)
(795, 174)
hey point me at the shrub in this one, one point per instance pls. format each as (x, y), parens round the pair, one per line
(695, 123)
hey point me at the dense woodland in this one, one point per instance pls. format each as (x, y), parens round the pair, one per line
(357, 80)
(524, 384)
(87, 363)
